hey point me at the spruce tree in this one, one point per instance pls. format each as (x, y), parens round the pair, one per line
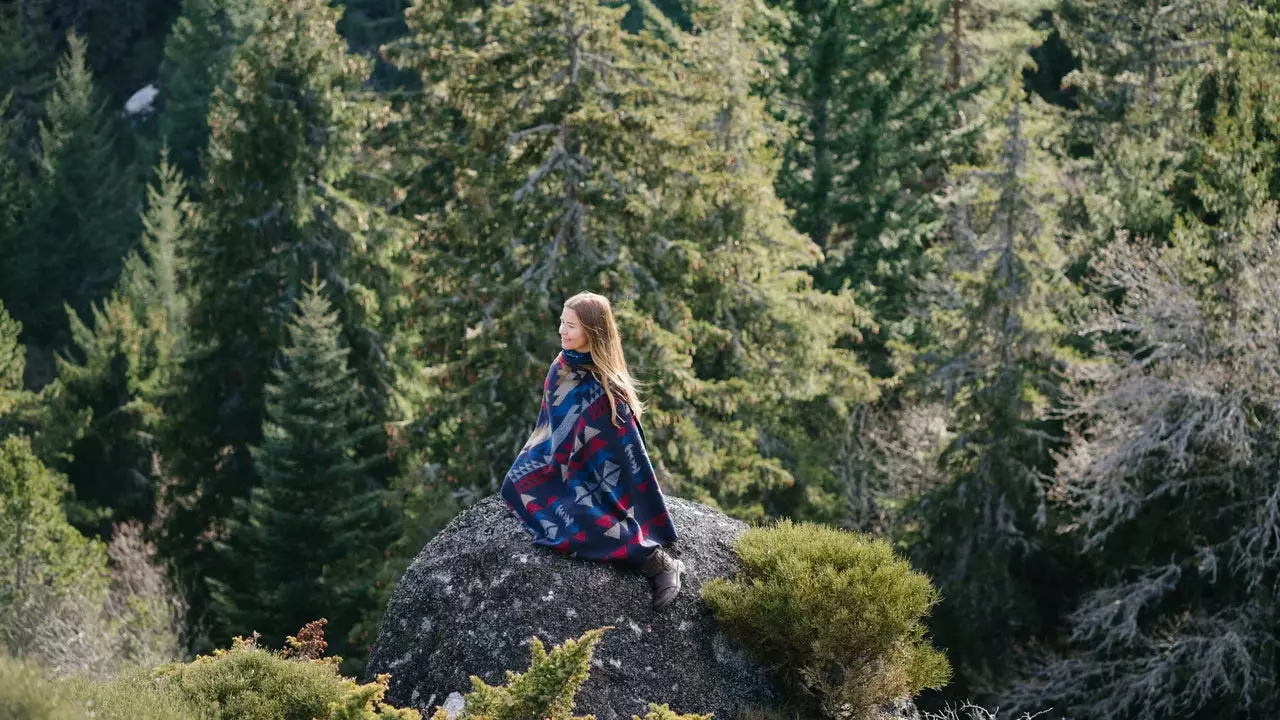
(154, 278)
(28, 56)
(12, 186)
(197, 60)
(1135, 89)
(285, 192)
(13, 358)
(76, 233)
(871, 120)
(638, 165)
(308, 541)
(16, 404)
(1170, 475)
(982, 533)
(117, 369)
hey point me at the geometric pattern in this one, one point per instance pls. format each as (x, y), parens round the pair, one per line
(582, 485)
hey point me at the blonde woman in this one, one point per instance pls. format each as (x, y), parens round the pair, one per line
(583, 484)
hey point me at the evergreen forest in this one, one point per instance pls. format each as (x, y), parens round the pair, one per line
(995, 281)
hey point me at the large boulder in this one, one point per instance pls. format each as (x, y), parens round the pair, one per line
(472, 598)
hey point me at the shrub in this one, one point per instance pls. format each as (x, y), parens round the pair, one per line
(247, 682)
(547, 689)
(24, 695)
(134, 695)
(66, 601)
(838, 616)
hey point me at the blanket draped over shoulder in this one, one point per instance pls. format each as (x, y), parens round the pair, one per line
(582, 485)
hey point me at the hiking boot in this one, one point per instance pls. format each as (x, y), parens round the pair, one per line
(665, 571)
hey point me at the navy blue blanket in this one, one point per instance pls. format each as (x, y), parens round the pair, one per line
(582, 485)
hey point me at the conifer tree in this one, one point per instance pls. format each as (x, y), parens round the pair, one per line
(13, 358)
(16, 404)
(284, 196)
(871, 119)
(1135, 88)
(308, 541)
(1170, 474)
(27, 62)
(12, 188)
(637, 165)
(76, 232)
(197, 60)
(997, 357)
(118, 366)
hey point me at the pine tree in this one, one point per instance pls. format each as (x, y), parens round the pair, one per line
(1135, 88)
(154, 278)
(871, 118)
(637, 165)
(75, 234)
(27, 59)
(13, 358)
(1170, 475)
(285, 193)
(118, 367)
(13, 202)
(197, 60)
(308, 541)
(982, 532)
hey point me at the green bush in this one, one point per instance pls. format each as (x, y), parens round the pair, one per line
(249, 683)
(245, 682)
(24, 695)
(135, 695)
(547, 689)
(838, 616)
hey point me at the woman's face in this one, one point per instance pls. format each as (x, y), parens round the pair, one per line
(572, 335)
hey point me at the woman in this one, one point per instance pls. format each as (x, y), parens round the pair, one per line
(583, 484)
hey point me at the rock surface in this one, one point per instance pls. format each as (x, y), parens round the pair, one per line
(472, 598)
(476, 593)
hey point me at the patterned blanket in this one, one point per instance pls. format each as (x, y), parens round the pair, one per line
(581, 485)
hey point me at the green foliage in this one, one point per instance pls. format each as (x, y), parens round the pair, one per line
(1170, 472)
(154, 276)
(872, 125)
(78, 228)
(999, 353)
(113, 376)
(132, 695)
(43, 560)
(1230, 180)
(65, 600)
(646, 175)
(1135, 87)
(247, 682)
(25, 695)
(27, 59)
(287, 172)
(13, 356)
(12, 183)
(197, 60)
(545, 690)
(308, 540)
(838, 615)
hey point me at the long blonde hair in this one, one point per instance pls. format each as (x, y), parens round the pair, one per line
(605, 344)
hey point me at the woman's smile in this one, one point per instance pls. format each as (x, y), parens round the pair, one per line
(572, 335)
